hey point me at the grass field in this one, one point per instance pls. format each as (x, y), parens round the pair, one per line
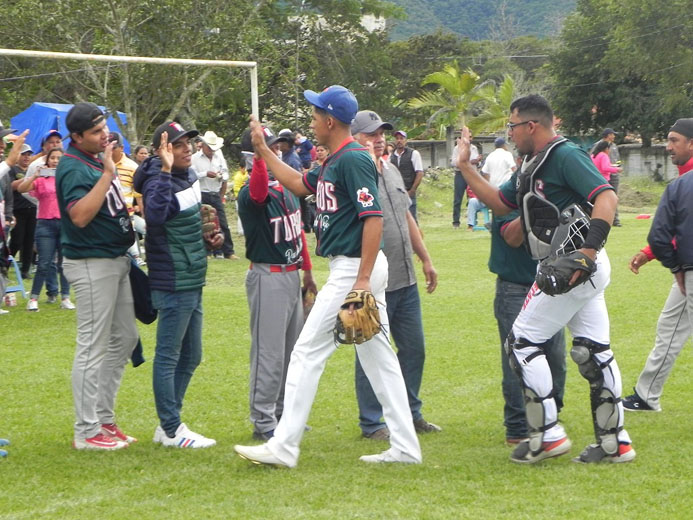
(465, 474)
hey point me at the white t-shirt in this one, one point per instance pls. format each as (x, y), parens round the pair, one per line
(499, 166)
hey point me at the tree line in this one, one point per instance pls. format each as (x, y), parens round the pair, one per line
(613, 64)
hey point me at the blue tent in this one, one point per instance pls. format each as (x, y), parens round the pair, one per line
(41, 118)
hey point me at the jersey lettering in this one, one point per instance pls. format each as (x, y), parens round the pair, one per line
(325, 198)
(286, 228)
(114, 200)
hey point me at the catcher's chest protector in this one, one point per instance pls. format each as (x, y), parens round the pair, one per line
(539, 216)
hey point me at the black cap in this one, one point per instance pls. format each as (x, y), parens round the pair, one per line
(83, 116)
(6, 131)
(684, 127)
(247, 142)
(174, 132)
(116, 138)
(608, 131)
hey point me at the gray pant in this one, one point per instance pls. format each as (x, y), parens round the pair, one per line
(106, 336)
(673, 330)
(276, 319)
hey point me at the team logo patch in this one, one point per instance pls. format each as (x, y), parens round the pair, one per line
(364, 197)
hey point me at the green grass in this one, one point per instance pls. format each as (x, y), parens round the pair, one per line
(465, 474)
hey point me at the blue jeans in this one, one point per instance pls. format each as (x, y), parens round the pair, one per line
(406, 327)
(412, 208)
(460, 187)
(47, 239)
(509, 300)
(178, 351)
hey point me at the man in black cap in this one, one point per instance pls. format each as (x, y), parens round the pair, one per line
(96, 233)
(608, 135)
(177, 263)
(673, 325)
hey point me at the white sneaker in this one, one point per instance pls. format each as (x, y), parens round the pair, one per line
(3, 311)
(32, 305)
(185, 438)
(260, 455)
(387, 457)
(139, 261)
(67, 304)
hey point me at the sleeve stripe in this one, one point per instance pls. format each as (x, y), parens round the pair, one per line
(599, 189)
(506, 201)
(307, 184)
(371, 213)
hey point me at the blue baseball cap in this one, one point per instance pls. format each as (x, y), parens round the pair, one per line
(499, 142)
(336, 100)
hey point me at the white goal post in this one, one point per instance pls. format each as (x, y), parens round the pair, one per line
(252, 65)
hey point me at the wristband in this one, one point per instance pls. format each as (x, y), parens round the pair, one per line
(596, 237)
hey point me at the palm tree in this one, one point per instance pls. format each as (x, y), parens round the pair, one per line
(451, 102)
(495, 100)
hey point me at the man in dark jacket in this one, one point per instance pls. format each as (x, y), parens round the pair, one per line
(673, 220)
(177, 262)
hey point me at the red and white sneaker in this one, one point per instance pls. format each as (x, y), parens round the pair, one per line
(115, 433)
(98, 442)
(594, 454)
(522, 454)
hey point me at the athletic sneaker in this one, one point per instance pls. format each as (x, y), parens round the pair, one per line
(99, 442)
(594, 453)
(381, 434)
(67, 304)
(115, 433)
(423, 426)
(633, 403)
(388, 456)
(32, 305)
(260, 455)
(184, 438)
(523, 455)
(3, 311)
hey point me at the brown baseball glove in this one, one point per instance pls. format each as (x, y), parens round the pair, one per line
(358, 319)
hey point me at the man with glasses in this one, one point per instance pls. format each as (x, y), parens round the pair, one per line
(556, 175)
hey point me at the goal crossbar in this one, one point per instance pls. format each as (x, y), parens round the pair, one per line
(252, 65)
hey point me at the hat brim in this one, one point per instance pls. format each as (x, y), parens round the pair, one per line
(399, 132)
(270, 141)
(373, 127)
(189, 133)
(216, 147)
(7, 131)
(313, 98)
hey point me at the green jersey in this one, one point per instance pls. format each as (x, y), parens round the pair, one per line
(272, 229)
(512, 264)
(109, 234)
(567, 177)
(346, 193)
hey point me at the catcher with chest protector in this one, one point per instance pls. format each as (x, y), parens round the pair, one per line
(557, 180)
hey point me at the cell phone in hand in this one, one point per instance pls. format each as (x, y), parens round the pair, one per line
(47, 172)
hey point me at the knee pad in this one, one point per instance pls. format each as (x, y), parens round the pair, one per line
(534, 403)
(604, 404)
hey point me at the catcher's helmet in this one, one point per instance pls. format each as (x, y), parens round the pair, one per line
(574, 224)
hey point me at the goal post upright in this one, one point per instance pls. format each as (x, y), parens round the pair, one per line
(252, 65)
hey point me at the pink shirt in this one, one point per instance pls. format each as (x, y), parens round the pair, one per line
(44, 191)
(603, 164)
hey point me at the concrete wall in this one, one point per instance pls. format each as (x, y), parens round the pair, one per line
(637, 161)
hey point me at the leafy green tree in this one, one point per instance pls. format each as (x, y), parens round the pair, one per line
(451, 104)
(494, 101)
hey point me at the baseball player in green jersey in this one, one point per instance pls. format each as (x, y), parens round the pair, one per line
(275, 244)
(349, 230)
(556, 180)
(96, 234)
